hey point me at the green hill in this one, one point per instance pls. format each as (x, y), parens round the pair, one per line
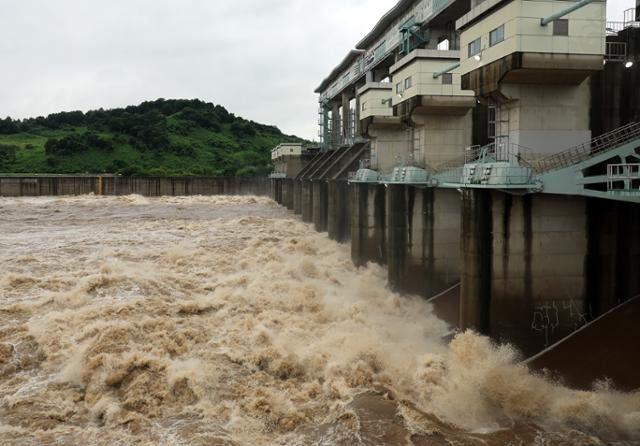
(162, 137)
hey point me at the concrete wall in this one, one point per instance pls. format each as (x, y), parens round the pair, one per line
(387, 144)
(523, 277)
(148, 186)
(442, 138)
(546, 118)
(536, 268)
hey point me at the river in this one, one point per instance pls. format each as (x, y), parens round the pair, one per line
(228, 321)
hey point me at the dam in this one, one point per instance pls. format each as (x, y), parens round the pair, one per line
(455, 263)
(487, 150)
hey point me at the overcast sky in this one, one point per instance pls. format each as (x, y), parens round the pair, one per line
(261, 59)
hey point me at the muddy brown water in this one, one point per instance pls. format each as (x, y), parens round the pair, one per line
(228, 321)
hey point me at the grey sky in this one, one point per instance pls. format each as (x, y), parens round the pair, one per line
(261, 59)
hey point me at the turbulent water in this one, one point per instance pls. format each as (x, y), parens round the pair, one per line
(227, 321)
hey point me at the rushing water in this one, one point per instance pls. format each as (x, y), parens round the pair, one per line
(227, 321)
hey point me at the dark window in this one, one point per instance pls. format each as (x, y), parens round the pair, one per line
(474, 47)
(561, 27)
(447, 78)
(496, 36)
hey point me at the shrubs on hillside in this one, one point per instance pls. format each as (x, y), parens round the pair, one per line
(76, 143)
(173, 136)
(7, 155)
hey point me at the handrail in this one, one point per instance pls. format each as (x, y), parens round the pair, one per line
(601, 144)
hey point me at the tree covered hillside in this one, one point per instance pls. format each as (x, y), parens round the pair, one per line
(162, 137)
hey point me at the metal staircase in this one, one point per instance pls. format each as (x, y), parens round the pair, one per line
(603, 167)
(599, 145)
(607, 166)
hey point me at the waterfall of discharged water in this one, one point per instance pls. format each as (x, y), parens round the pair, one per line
(227, 321)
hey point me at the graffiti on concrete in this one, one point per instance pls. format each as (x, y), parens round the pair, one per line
(550, 314)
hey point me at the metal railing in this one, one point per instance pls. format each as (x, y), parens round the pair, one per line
(501, 150)
(629, 21)
(614, 27)
(405, 160)
(616, 52)
(604, 143)
(630, 18)
(621, 178)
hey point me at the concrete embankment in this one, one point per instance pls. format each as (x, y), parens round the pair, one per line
(33, 186)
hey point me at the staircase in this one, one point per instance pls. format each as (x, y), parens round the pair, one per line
(336, 168)
(597, 146)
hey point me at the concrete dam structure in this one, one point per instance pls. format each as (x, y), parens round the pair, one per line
(58, 185)
(487, 150)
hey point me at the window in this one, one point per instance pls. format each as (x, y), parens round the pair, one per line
(407, 83)
(474, 47)
(364, 105)
(496, 36)
(447, 78)
(561, 27)
(380, 50)
(399, 88)
(492, 121)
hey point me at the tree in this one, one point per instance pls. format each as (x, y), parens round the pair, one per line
(7, 155)
(8, 126)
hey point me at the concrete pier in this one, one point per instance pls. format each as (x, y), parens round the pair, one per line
(423, 239)
(307, 201)
(297, 196)
(287, 193)
(368, 223)
(338, 211)
(537, 267)
(320, 204)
